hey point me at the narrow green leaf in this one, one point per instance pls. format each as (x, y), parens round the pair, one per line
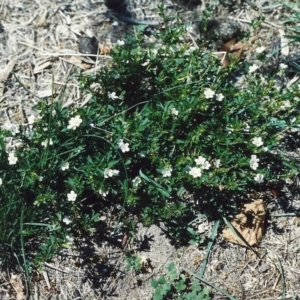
(210, 244)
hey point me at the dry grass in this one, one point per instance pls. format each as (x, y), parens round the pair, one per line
(40, 42)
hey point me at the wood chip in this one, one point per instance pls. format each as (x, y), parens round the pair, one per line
(7, 70)
(284, 43)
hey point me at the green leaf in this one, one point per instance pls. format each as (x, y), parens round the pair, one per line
(161, 189)
(154, 283)
(161, 280)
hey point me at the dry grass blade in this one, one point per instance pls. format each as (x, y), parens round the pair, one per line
(18, 286)
(7, 70)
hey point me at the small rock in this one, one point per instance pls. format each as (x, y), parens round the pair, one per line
(263, 268)
(88, 45)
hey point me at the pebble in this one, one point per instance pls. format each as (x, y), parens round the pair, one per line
(263, 268)
(88, 45)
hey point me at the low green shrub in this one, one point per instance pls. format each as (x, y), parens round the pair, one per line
(165, 124)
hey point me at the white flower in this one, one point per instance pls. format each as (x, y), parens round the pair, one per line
(174, 111)
(259, 178)
(12, 159)
(167, 172)
(200, 160)
(283, 66)
(69, 239)
(219, 97)
(195, 172)
(72, 196)
(247, 128)
(217, 163)
(209, 93)
(74, 122)
(289, 181)
(257, 141)
(206, 165)
(253, 68)
(120, 43)
(264, 149)
(31, 119)
(136, 181)
(103, 193)
(1, 181)
(254, 162)
(112, 95)
(146, 63)
(260, 49)
(110, 172)
(123, 146)
(65, 166)
(47, 143)
(285, 105)
(67, 220)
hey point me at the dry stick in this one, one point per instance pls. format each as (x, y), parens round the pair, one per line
(44, 53)
(54, 268)
(266, 23)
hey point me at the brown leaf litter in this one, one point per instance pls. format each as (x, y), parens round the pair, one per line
(249, 223)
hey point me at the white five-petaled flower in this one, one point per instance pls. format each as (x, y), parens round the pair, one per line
(217, 163)
(253, 68)
(283, 66)
(47, 143)
(110, 172)
(167, 171)
(65, 166)
(174, 111)
(74, 122)
(120, 43)
(257, 141)
(12, 159)
(72, 196)
(103, 193)
(195, 172)
(67, 220)
(285, 105)
(209, 93)
(219, 97)
(254, 162)
(112, 95)
(200, 160)
(31, 119)
(136, 181)
(146, 63)
(123, 146)
(204, 164)
(260, 49)
(259, 178)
